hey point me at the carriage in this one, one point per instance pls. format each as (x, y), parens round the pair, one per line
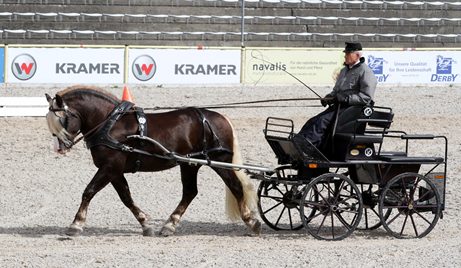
(352, 183)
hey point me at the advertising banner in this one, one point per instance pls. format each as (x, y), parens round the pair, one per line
(65, 65)
(2, 62)
(278, 66)
(184, 66)
(415, 67)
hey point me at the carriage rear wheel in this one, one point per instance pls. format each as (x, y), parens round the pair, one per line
(415, 204)
(331, 207)
(279, 205)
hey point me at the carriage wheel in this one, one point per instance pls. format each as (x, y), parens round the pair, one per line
(370, 217)
(331, 207)
(279, 205)
(415, 204)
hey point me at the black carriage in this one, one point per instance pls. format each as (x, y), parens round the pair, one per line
(352, 182)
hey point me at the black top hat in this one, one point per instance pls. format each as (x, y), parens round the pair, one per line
(351, 47)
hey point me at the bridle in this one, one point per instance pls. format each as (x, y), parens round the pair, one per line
(63, 119)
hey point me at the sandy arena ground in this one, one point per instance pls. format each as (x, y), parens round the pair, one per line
(40, 192)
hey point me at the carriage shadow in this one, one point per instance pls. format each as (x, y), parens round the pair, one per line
(186, 228)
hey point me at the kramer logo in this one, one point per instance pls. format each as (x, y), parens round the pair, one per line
(444, 70)
(377, 65)
(144, 68)
(24, 67)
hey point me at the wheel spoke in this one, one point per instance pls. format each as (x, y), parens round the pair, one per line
(289, 216)
(276, 198)
(321, 224)
(276, 205)
(422, 217)
(407, 197)
(321, 196)
(342, 220)
(313, 204)
(396, 206)
(394, 218)
(414, 225)
(332, 226)
(280, 216)
(424, 195)
(404, 223)
(396, 195)
(278, 190)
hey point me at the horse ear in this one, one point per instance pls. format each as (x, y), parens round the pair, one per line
(48, 98)
(59, 101)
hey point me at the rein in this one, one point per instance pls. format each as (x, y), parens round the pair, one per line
(230, 105)
(242, 104)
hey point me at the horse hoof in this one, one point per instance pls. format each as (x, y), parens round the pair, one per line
(148, 231)
(167, 230)
(74, 230)
(256, 227)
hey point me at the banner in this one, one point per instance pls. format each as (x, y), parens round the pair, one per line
(184, 66)
(284, 66)
(65, 65)
(415, 67)
(2, 64)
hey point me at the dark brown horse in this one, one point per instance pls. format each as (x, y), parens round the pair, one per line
(205, 134)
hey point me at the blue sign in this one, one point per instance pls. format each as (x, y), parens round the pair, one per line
(377, 66)
(2, 66)
(444, 70)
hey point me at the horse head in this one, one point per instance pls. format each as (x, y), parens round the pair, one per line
(77, 109)
(63, 122)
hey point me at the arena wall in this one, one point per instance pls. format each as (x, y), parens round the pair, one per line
(217, 65)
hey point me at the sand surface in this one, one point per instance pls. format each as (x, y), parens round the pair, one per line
(40, 192)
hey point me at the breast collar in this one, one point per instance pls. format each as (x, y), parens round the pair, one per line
(102, 136)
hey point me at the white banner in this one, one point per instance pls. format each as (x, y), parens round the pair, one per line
(65, 65)
(184, 66)
(415, 67)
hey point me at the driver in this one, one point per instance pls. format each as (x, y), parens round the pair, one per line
(355, 85)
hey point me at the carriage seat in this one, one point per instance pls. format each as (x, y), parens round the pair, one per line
(356, 131)
(288, 147)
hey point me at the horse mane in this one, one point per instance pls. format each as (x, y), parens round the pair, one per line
(88, 90)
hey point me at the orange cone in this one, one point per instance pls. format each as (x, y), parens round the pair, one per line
(127, 95)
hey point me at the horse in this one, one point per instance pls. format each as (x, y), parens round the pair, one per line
(99, 118)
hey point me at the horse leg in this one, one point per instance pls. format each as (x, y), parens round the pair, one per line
(121, 186)
(189, 191)
(245, 198)
(99, 181)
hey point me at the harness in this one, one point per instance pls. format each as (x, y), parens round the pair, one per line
(102, 137)
(204, 153)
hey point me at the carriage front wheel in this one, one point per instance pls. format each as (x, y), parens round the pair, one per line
(415, 205)
(331, 207)
(279, 205)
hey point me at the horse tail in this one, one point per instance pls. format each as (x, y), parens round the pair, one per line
(249, 194)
